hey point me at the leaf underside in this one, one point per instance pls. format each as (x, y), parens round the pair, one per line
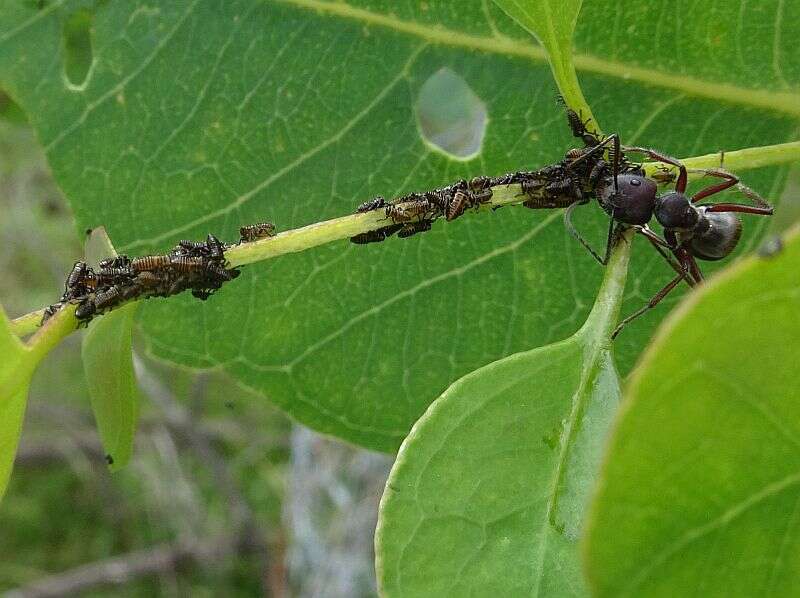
(198, 117)
(488, 491)
(701, 483)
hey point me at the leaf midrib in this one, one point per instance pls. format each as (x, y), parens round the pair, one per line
(783, 102)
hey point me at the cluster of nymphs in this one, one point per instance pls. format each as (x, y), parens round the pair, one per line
(554, 186)
(414, 213)
(199, 266)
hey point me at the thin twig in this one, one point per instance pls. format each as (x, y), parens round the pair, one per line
(119, 570)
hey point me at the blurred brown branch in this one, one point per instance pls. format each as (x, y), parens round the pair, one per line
(119, 570)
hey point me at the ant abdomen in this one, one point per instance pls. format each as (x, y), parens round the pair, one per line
(717, 236)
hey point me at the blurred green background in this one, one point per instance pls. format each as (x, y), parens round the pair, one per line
(224, 496)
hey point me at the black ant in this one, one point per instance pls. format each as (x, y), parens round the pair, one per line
(691, 230)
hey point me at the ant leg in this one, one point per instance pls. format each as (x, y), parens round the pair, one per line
(615, 171)
(655, 300)
(660, 244)
(737, 207)
(611, 238)
(574, 231)
(688, 261)
(683, 256)
(731, 180)
(680, 185)
(752, 195)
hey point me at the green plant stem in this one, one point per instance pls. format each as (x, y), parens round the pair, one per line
(340, 228)
(345, 227)
(24, 325)
(602, 320)
(744, 159)
(58, 327)
(567, 80)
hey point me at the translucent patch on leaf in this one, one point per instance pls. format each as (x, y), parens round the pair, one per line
(451, 117)
(78, 53)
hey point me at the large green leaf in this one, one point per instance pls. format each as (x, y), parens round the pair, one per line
(488, 492)
(16, 368)
(701, 484)
(199, 116)
(108, 363)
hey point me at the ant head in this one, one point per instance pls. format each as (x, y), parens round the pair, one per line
(633, 203)
(673, 210)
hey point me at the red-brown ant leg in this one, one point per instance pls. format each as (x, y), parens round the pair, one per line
(732, 180)
(660, 244)
(680, 185)
(741, 208)
(688, 261)
(685, 267)
(752, 195)
(684, 257)
(656, 299)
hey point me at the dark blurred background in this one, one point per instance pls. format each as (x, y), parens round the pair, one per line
(224, 495)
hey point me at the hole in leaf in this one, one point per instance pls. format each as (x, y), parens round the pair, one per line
(452, 118)
(78, 48)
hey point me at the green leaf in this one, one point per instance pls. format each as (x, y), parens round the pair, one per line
(297, 111)
(488, 491)
(701, 484)
(553, 24)
(108, 363)
(16, 368)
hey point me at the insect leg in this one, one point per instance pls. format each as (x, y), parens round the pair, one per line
(574, 231)
(655, 300)
(683, 177)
